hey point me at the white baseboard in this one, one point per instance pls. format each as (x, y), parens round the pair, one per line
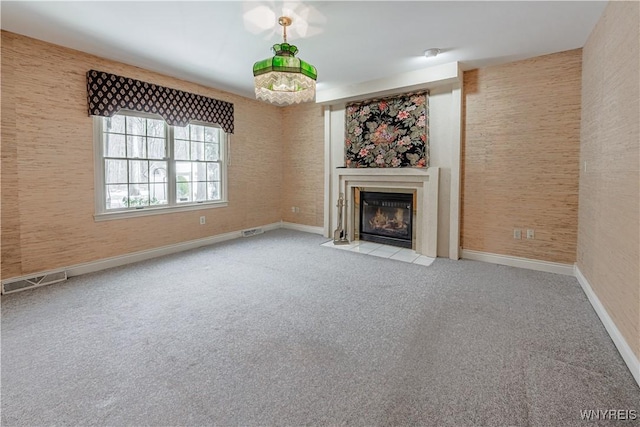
(117, 261)
(301, 227)
(621, 344)
(512, 261)
(269, 227)
(623, 347)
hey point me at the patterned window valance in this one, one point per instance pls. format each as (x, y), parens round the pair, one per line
(388, 133)
(108, 93)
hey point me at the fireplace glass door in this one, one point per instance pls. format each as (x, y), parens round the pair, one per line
(386, 218)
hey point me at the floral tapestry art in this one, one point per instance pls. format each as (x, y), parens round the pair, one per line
(388, 133)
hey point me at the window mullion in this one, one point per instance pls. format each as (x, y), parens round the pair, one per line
(148, 157)
(223, 162)
(100, 171)
(171, 166)
(126, 153)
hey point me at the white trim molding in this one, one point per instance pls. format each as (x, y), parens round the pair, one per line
(302, 227)
(456, 162)
(327, 170)
(512, 261)
(430, 77)
(117, 261)
(621, 344)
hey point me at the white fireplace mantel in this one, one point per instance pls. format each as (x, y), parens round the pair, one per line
(423, 181)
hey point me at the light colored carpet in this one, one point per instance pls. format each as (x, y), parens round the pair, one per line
(277, 330)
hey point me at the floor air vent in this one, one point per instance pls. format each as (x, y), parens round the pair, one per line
(34, 282)
(252, 232)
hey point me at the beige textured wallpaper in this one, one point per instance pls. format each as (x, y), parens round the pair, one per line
(303, 155)
(521, 139)
(609, 214)
(47, 165)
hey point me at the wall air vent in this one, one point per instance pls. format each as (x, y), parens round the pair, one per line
(34, 282)
(252, 232)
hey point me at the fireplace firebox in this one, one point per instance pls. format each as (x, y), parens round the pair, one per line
(386, 218)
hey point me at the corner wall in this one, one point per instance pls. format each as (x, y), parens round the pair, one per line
(521, 136)
(47, 165)
(609, 214)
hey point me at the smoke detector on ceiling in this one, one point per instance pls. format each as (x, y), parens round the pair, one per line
(431, 53)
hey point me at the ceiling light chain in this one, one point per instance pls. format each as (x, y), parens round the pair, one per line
(285, 21)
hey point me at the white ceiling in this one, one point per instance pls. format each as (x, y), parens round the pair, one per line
(215, 43)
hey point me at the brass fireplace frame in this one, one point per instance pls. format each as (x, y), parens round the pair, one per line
(356, 208)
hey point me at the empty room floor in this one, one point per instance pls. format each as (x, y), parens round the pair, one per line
(276, 329)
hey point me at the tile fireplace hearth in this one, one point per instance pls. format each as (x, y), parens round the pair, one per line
(383, 251)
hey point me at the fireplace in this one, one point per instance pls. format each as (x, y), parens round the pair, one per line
(421, 182)
(386, 218)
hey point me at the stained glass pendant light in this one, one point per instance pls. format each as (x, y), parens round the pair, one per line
(284, 79)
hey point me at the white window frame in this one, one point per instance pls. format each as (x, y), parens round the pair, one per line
(101, 212)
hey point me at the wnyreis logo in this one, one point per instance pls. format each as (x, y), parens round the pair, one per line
(609, 415)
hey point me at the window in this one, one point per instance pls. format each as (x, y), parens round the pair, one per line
(145, 165)
(197, 154)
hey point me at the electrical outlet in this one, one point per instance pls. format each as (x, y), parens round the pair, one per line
(517, 234)
(530, 234)
(203, 220)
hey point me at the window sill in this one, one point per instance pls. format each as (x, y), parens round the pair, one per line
(107, 216)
